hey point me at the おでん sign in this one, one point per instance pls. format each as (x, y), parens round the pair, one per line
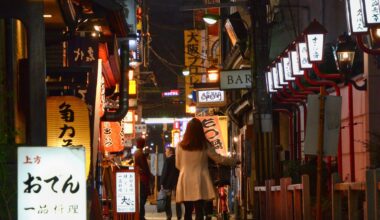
(51, 183)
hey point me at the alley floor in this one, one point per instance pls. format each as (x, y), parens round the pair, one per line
(152, 214)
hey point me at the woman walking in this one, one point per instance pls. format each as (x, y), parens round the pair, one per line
(194, 185)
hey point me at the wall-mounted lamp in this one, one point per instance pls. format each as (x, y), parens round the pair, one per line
(192, 108)
(186, 72)
(345, 54)
(213, 74)
(211, 18)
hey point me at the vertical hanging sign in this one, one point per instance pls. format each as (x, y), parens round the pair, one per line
(194, 51)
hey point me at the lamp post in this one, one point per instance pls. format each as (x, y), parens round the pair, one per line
(345, 54)
(314, 35)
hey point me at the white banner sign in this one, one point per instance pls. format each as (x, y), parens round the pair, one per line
(125, 192)
(208, 96)
(51, 183)
(140, 128)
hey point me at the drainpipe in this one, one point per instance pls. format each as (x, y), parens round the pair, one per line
(120, 113)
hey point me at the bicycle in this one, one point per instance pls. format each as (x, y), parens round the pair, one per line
(222, 205)
(221, 176)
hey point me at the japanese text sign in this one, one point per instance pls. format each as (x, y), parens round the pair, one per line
(82, 51)
(211, 98)
(358, 24)
(125, 192)
(215, 128)
(111, 136)
(372, 8)
(68, 124)
(51, 183)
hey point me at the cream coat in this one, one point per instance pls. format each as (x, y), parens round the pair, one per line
(194, 182)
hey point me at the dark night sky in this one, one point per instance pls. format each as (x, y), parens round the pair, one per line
(167, 24)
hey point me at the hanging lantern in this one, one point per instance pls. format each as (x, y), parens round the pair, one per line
(285, 60)
(371, 12)
(269, 80)
(276, 80)
(355, 16)
(280, 72)
(294, 59)
(315, 35)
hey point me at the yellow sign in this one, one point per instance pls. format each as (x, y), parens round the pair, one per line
(132, 87)
(68, 124)
(193, 47)
(176, 137)
(215, 128)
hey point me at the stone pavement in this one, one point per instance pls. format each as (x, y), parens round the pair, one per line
(152, 214)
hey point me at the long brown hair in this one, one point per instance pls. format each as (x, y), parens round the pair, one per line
(194, 137)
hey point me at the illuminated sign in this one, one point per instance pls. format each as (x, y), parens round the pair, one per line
(68, 124)
(125, 192)
(132, 90)
(51, 183)
(211, 98)
(111, 136)
(170, 93)
(235, 79)
(176, 125)
(176, 137)
(357, 19)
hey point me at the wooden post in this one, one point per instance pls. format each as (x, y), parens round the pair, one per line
(353, 198)
(306, 197)
(320, 152)
(372, 194)
(336, 198)
(286, 203)
(268, 199)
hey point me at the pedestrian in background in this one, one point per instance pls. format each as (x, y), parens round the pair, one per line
(194, 185)
(141, 164)
(168, 182)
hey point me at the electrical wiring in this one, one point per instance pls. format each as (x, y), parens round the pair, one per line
(164, 60)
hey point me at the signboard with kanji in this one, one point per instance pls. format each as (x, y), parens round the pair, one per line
(111, 136)
(51, 183)
(68, 124)
(125, 192)
(215, 128)
(209, 98)
(82, 51)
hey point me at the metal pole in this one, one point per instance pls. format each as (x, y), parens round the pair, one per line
(351, 131)
(320, 150)
(156, 176)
